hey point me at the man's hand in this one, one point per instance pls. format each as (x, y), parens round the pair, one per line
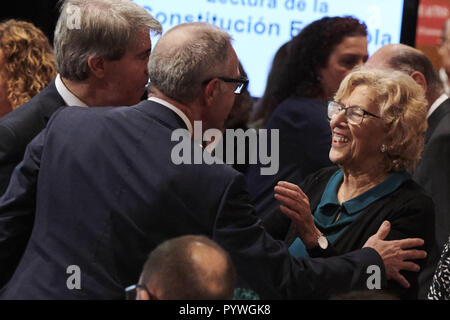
(394, 254)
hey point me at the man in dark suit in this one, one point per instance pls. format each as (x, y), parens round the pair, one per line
(91, 70)
(93, 78)
(109, 191)
(433, 170)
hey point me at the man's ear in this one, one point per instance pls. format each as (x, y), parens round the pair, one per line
(211, 91)
(420, 79)
(97, 66)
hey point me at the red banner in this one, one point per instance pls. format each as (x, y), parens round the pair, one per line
(431, 19)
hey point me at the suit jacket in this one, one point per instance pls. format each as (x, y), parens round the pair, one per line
(433, 171)
(108, 192)
(433, 174)
(409, 210)
(304, 146)
(20, 126)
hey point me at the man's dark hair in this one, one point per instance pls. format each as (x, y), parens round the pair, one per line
(181, 270)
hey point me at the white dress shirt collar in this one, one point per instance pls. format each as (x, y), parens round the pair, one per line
(177, 111)
(436, 104)
(69, 98)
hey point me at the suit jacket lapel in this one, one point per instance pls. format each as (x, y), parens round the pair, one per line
(435, 117)
(50, 100)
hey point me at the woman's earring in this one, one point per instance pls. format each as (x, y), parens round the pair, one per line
(383, 148)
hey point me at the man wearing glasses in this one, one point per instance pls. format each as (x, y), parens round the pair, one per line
(108, 192)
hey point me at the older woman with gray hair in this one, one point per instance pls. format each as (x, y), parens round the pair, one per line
(378, 120)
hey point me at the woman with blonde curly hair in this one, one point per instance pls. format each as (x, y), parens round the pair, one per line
(378, 121)
(27, 63)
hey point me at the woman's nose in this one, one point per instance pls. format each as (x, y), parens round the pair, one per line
(339, 118)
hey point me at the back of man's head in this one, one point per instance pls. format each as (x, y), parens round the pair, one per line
(101, 28)
(189, 268)
(185, 56)
(408, 60)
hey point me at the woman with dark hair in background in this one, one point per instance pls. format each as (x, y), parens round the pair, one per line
(316, 61)
(27, 63)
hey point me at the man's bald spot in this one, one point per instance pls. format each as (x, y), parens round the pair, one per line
(181, 34)
(211, 265)
(382, 58)
(176, 37)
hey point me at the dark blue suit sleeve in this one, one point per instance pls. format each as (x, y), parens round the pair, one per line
(268, 268)
(17, 208)
(8, 143)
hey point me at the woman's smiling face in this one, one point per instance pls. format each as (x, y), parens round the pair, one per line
(356, 147)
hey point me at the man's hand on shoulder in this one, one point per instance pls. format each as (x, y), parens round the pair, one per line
(396, 253)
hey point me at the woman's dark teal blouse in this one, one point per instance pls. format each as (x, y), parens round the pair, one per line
(329, 208)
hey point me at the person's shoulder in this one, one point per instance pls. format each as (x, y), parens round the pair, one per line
(34, 112)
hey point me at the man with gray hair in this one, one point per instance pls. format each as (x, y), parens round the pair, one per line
(186, 268)
(97, 44)
(109, 191)
(102, 49)
(433, 171)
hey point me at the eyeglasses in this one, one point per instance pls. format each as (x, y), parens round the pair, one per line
(354, 114)
(241, 83)
(131, 292)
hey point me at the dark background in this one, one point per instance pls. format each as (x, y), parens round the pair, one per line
(42, 13)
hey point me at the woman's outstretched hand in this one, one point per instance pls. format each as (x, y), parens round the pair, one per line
(295, 205)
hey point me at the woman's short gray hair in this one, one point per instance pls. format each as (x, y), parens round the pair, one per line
(101, 28)
(403, 109)
(178, 69)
